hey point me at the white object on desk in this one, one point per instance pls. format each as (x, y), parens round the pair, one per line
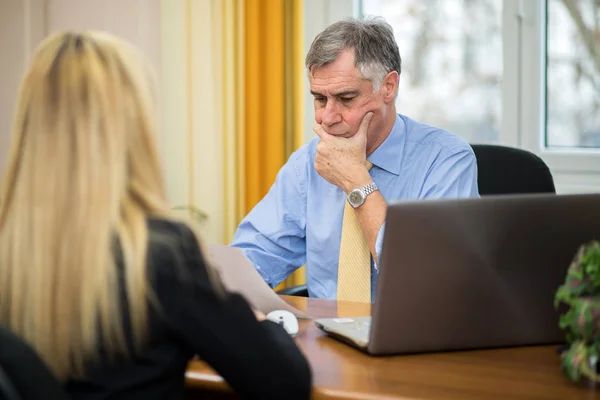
(285, 319)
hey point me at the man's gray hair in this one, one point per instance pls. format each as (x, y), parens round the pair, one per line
(375, 50)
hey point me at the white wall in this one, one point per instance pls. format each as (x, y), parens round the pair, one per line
(178, 38)
(21, 27)
(24, 23)
(192, 139)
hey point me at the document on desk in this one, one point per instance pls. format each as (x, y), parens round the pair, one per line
(239, 275)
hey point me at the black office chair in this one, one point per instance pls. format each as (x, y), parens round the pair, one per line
(23, 374)
(508, 170)
(299, 290)
(501, 170)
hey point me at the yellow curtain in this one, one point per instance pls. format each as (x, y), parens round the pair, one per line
(265, 96)
(262, 100)
(294, 78)
(233, 113)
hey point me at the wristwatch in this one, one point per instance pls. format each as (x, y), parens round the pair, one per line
(357, 197)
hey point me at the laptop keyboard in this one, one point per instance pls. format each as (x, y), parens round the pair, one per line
(356, 329)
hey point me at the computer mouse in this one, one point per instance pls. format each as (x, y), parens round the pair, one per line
(285, 319)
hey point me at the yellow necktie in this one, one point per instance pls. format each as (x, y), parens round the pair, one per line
(354, 267)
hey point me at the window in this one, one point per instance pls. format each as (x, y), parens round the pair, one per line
(522, 73)
(573, 73)
(451, 62)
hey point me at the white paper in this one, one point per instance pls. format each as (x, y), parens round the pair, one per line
(238, 275)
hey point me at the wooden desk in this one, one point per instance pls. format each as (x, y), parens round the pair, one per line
(341, 372)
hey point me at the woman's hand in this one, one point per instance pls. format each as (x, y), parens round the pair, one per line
(260, 316)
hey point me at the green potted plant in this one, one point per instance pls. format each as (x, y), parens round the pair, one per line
(581, 293)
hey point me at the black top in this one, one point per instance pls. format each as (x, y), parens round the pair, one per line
(258, 359)
(20, 366)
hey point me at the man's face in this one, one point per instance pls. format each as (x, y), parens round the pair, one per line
(342, 97)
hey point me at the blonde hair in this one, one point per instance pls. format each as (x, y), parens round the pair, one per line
(83, 175)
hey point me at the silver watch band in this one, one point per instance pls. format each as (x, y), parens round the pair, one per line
(368, 189)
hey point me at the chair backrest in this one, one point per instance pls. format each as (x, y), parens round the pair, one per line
(508, 170)
(25, 376)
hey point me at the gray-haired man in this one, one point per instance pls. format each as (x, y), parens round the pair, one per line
(327, 206)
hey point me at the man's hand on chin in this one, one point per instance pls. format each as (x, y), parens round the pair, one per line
(341, 161)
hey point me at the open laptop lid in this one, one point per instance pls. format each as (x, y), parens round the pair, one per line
(476, 273)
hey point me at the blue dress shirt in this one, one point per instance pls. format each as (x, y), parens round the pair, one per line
(299, 221)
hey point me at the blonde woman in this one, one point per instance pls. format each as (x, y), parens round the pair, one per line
(95, 274)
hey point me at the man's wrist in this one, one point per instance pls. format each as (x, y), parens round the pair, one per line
(357, 180)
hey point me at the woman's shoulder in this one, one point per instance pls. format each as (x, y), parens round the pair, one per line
(166, 226)
(172, 242)
(176, 265)
(163, 231)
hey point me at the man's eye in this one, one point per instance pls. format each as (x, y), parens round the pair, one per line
(346, 99)
(320, 99)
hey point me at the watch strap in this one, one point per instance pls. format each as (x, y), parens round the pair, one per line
(368, 189)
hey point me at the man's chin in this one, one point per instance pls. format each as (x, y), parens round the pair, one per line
(342, 135)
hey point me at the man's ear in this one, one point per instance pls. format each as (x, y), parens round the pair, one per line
(389, 86)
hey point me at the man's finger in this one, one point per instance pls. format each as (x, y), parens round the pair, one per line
(318, 129)
(364, 125)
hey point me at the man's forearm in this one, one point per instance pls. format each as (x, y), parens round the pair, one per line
(371, 215)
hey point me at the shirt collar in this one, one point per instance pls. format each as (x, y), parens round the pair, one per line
(389, 153)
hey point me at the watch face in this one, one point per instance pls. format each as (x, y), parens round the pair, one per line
(355, 197)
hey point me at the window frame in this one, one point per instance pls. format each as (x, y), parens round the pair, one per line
(574, 168)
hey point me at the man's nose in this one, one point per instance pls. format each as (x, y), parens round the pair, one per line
(330, 115)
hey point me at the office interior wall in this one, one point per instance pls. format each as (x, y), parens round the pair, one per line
(21, 28)
(190, 44)
(192, 140)
(24, 23)
(179, 37)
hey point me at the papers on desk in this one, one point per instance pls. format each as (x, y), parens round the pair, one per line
(238, 275)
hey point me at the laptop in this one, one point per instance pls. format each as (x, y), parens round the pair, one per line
(470, 274)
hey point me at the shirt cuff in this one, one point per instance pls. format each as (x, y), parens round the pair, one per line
(379, 245)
